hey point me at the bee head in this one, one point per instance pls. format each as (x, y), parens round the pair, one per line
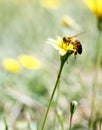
(66, 39)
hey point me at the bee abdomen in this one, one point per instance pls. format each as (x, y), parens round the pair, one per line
(79, 48)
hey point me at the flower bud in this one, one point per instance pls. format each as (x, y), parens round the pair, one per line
(73, 106)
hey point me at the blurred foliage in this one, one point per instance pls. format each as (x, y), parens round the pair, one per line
(25, 27)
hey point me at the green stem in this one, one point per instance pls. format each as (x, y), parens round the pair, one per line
(95, 80)
(57, 81)
(100, 124)
(54, 122)
(5, 122)
(60, 119)
(70, 123)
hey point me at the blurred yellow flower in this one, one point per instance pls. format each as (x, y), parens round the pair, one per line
(61, 46)
(16, 1)
(69, 22)
(50, 4)
(29, 62)
(11, 65)
(95, 6)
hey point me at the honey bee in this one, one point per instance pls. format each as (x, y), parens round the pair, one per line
(76, 43)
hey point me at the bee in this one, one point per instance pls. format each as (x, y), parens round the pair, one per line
(76, 43)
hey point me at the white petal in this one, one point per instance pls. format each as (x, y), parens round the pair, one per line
(62, 52)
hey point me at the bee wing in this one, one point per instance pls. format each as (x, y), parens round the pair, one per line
(73, 36)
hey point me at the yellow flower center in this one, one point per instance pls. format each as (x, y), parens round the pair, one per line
(61, 46)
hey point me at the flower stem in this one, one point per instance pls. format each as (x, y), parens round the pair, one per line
(57, 81)
(60, 119)
(100, 124)
(95, 80)
(70, 123)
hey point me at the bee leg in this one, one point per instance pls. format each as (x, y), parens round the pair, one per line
(75, 53)
(67, 61)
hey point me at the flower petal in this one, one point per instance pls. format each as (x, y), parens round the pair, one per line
(95, 6)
